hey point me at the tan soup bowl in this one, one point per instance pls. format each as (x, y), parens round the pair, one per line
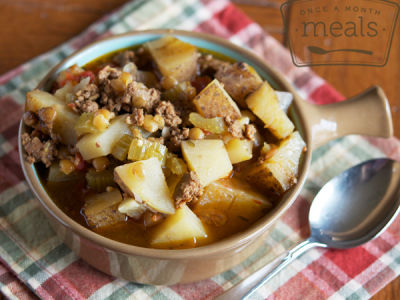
(367, 113)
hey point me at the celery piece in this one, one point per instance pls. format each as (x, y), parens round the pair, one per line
(55, 174)
(176, 165)
(141, 149)
(121, 148)
(85, 124)
(214, 125)
(98, 181)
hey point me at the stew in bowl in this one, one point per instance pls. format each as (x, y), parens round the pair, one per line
(163, 145)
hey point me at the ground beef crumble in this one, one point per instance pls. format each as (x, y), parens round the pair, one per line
(136, 118)
(108, 98)
(187, 189)
(139, 96)
(167, 110)
(209, 65)
(175, 137)
(30, 119)
(85, 101)
(124, 58)
(108, 73)
(250, 131)
(234, 127)
(37, 150)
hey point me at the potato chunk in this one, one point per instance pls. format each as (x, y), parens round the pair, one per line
(239, 150)
(101, 209)
(239, 81)
(207, 158)
(265, 105)
(100, 144)
(178, 228)
(230, 203)
(131, 208)
(145, 181)
(285, 99)
(213, 101)
(278, 172)
(174, 58)
(65, 118)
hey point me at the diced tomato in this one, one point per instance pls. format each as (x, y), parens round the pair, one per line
(79, 162)
(87, 74)
(76, 78)
(200, 83)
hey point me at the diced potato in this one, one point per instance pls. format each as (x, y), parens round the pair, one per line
(230, 204)
(285, 99)
(131, 208)
(100, 144)
(239, 150)
(207, 158)
(213, 101)
(278, 172)
(65, 118)
(65, 93)
(101, 209)
(145, 181)
(180, 227)
(264, 104)
(239, 81)
(174, 57)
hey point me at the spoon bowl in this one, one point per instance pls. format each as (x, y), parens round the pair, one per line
(351, 209)
(357, 205)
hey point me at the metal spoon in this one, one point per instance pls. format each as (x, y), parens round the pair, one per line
(351, 209)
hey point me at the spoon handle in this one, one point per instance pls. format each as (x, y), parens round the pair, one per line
(249, 285)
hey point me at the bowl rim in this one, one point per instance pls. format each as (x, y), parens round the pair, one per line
(230, 243)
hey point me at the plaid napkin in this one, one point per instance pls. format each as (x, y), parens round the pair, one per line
(34, 262)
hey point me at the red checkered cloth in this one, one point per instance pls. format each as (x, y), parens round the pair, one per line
(35, 263)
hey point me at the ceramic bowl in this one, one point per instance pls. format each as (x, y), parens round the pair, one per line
(367, 113)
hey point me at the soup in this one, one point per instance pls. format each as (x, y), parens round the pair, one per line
(164, 145)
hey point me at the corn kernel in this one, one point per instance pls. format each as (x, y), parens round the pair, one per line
(196, 133)
(106, 113)
(135, 132)
(126, 78)
(66, 166)
(118, 85)
(138, 101)
(100, 163)
(100, 122)
(159, 120)
(149, 124)
(168, 82)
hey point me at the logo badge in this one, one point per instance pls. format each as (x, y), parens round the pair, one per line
(340, 32)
